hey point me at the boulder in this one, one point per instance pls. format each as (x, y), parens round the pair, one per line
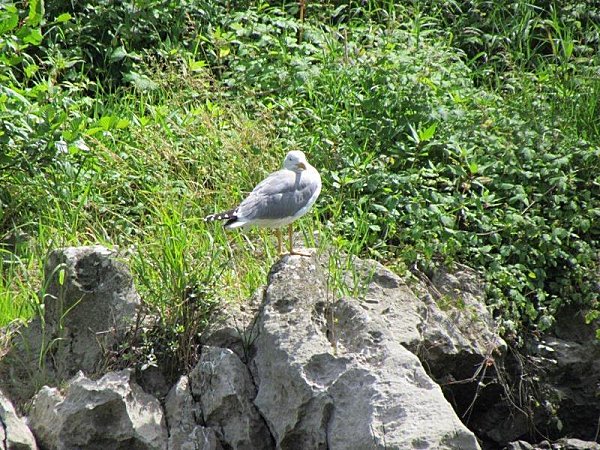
(225, 391)
(14, 432)
(561, 444)
(567, 373)
(549, 387)
(212, 407)
(89, 303)
(334, 373)
(112, 412)
(234, 327)
(184, 417)
(443, 320)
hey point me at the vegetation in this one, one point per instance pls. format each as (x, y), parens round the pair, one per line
(445, 131)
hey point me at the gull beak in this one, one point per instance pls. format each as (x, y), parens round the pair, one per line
(301, 166)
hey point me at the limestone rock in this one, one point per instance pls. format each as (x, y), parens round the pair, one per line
(14, 433)
(93, 303)
(444, 321)
(234, 327)
(89, 303)
(574, 444)
(461, 331)
(519, 445)
(561, 444)
(370, 393)
(225, 391)
(183, 418)
(568, 373)
(112, 412)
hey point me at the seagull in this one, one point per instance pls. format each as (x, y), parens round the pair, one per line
(278, 200)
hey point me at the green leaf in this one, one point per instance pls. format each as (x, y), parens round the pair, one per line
(447, 221)
(223, 52)
(31, 36)
(473, 168)
(196, 66)
(118, 54)
(31, 70)
(36, 13)
(140, 81)
(379, 208)
(9, 18)
(428, 133)
(64, 17)
(122, 123)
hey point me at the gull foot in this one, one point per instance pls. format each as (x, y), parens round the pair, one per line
(299, 253)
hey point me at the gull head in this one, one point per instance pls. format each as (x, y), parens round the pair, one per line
(296, 161)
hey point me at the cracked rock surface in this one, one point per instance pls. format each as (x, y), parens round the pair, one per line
(89, 303)
(110, 413)
(14, 433)
(336, 376)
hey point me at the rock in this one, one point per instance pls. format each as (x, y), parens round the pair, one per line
(567, 372)
(225, 391)
(461, 333)
(234, 327)
(557, 376)
(94, 305)
(89, 303)
(153, 381)
(445, 322)
(519, 445)
(112, 412)
(346, 383)
(14, 433)
(183, 418)
(574, 444)
(561, 444)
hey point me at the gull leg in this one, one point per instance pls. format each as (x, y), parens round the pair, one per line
(279, 246)
(292, 251)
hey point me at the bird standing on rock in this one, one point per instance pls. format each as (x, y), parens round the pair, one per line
(278, 200)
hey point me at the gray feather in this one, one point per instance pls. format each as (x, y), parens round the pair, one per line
(282, 194)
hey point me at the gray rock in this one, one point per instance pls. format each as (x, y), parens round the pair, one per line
(112, 412)
(89, 303)
(574, 444)
(14, 433)
(224, 388)
(444, 321)
(234, 327)
(461, 332)
(519, 445)
(567, 371)
(561, 444)
(94, 305)
(558, 377)
(352, 385)
(183, 419)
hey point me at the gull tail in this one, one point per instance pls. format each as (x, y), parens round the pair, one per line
(230, 216)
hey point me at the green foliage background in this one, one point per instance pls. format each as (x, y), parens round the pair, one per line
(445, 131)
